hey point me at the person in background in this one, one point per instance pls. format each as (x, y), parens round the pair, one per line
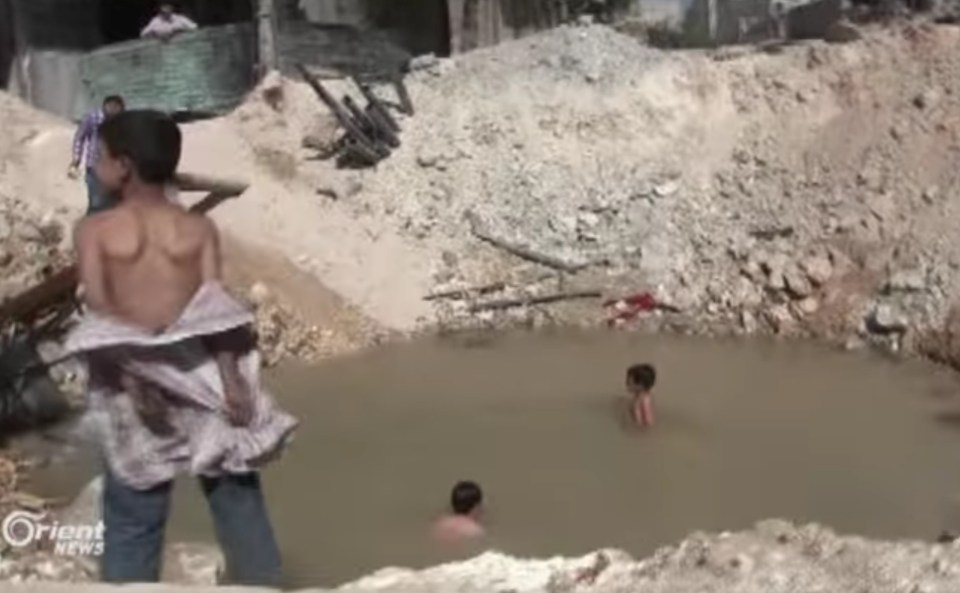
(640, 381)
(463, 523)
(86, 149)
(167, 24)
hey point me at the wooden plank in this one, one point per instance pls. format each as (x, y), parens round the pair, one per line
(500, 305)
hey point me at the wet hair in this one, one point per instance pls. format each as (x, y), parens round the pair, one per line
(466, 496)
(150, 139)
(115, 99)
(643, 376)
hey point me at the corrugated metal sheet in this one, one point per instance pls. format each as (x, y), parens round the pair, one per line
(209, 70)
(7, 42)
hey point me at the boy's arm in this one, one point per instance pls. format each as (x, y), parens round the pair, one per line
(186, 24)
(150, 30)
(90, 266)
(226, 347)
(642, 410)
(646, 410)
(79, 139)
(635, 413)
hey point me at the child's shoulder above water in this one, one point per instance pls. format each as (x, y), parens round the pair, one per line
(463, 521)
(641, 379)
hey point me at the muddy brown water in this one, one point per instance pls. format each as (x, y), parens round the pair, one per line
(745, 431)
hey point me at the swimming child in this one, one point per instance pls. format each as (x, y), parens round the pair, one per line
(463, 523)
(640, 381)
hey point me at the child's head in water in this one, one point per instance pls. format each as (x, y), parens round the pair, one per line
(466, 498)
(463, 521)
(641, 378)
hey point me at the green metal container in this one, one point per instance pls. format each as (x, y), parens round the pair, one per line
(207, 71)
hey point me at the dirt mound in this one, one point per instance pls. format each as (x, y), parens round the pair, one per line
(806, 191)
(803, 191)
(21, 124)
(31, 247)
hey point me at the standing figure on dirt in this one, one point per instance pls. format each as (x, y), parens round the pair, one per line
(174, 371)
(167, 24)
(86, 149)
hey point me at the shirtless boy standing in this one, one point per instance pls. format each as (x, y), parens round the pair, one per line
(174, 373)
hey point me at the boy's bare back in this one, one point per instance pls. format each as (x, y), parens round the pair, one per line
(144, 260)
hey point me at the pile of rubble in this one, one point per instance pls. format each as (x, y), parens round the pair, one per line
(774, 557)
(31, 246)
(282, 334)
(806, 192)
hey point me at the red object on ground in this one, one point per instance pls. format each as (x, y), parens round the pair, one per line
(634, 305)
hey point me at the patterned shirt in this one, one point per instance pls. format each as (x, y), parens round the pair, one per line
(86, 142)
(176, 361)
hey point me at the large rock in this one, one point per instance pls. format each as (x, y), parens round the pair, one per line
(818, 269)
(887, 318)
(193, 564)
(912, 280)
(796, 282)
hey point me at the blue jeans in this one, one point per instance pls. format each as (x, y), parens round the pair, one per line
(97, 200)
(135, 521)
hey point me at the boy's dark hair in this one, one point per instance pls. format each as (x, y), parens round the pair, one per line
(150, 139)
(643, 376)
(465, 497)
(116, 99)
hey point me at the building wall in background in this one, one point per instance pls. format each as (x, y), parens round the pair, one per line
(58, 24)
(7, 42)
(206, 71)
(50, 80)
(337, 37)
(352, 13)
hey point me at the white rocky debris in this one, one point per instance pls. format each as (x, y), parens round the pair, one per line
(773, 557)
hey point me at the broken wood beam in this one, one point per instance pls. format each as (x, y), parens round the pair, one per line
(377, 105)
(465, 292)
(500, 305)
(522, 251)
(61, 286)
(204, 183)
(367, 144)
(403, 94)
